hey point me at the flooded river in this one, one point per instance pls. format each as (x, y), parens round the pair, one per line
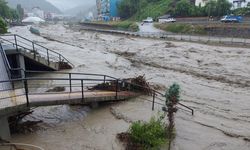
(215, 82)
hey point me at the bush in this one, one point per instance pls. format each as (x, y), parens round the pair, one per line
(127, 25)
(151, 135)
(3, 26)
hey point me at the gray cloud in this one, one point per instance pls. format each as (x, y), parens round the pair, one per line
(68, 4)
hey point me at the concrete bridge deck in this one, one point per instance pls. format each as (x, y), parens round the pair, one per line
(16, 101)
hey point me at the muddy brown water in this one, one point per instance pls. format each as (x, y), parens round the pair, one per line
(215, 82)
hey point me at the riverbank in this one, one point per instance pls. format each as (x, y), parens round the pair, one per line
(235, 30)
(214, 82)
(113, 25)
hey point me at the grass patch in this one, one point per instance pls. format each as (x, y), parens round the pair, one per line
(126, 25)
(119, 25)
(145, 135)
(182, 28)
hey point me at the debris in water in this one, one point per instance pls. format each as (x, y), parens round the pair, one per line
(126, 139)
(17, 125)
(119, 115)
(137, 84)
(57, 89)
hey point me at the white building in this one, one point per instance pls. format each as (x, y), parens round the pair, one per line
(236, 3)
(240, 3)
(38, 12)
(201, 2)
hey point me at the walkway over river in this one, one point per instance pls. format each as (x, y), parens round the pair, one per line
(32, 89)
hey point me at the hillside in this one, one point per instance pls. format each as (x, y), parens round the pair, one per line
(153, 9)
(29, 4)
(83, 9)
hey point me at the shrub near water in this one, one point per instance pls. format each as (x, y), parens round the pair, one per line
(151, 135)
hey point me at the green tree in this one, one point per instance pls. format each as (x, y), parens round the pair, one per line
(14, 14)
(3, 26)
(4, 9)
(20, 11)
(217, 8)
(211, 8)
(223, 7)
(183, 8)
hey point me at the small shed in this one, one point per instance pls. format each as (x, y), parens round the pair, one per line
(162, 19)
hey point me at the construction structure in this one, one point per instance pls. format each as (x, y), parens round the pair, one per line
(107, 9)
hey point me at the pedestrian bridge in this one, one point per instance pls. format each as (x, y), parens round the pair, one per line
(64, 88)
(47, 88)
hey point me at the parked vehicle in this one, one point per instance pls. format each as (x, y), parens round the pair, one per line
(231, 18)
(168, 20)
(148, 20)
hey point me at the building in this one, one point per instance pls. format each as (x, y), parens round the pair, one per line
(240, 3)
(38, 12)
(201, 2)
(235, 3)
(107, 9)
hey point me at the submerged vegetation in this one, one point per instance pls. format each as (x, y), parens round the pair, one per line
(155, 133)
(145, 135)
(150, 135)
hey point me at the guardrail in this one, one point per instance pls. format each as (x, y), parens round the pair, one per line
(180, 37)
(18, 42)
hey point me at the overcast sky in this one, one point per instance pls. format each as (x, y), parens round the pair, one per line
(67, 4)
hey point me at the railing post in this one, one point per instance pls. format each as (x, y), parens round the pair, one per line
(153, 105)
(104, 80)
(60, 58)
(15, 42)
(48, 56)
(26, 92)
(33, 46)
(70, 83)
(116, 90)
(82, 91)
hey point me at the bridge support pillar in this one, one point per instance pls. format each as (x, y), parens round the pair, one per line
(21, 64)
(4, 130)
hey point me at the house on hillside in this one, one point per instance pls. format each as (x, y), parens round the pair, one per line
(38, 12)
(240, 3)
(235, 3)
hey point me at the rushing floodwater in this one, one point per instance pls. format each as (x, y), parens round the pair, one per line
(215, 82)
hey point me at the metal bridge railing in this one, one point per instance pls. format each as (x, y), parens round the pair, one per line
(40, 83)
(19, 42)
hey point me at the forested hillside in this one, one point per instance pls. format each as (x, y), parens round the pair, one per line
(29, 4)
(141, 9)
